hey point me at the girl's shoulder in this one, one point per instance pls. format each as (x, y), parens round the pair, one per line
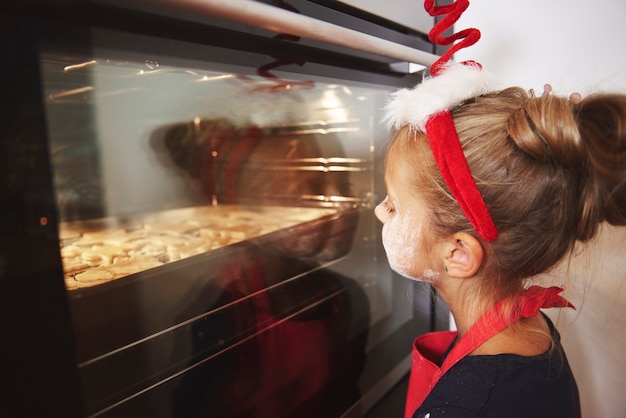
(506, 385)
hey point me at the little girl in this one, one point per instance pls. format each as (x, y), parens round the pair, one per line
(485, 190)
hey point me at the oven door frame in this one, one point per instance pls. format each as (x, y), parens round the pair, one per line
(39, 337)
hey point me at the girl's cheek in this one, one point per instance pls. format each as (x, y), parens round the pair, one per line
(402, 244)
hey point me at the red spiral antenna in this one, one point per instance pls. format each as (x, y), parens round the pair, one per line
(452, 13)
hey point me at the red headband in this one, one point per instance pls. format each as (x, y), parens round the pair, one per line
(427, 108)
(446, 148)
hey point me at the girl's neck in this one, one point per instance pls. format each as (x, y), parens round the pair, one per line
(465, 314)
(529, 337)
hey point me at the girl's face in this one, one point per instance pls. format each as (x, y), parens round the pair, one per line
(404, 219)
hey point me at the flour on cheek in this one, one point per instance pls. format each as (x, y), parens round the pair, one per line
(430, 275)
(402, 239)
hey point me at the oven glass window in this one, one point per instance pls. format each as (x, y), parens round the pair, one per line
(217, 234)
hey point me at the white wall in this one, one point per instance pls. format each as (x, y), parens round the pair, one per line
(573, 44)
(576, 45)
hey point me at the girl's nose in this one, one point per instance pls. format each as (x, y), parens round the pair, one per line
(381, 212)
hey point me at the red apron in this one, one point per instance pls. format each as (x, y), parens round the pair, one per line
(429, 348)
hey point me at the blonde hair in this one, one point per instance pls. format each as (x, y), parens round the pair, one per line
(550, 171)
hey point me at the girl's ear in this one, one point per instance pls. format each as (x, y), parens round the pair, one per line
(463, 255)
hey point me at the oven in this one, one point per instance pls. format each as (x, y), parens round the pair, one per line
(187, 221)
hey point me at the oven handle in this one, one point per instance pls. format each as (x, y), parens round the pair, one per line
(279, 20)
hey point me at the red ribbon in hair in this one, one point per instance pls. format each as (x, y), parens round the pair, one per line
(440, 129)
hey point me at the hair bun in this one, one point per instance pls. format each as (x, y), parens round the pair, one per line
(602, 124)
(545, 129)
(588, 139)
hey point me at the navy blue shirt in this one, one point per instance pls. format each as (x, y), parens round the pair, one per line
(506, 386)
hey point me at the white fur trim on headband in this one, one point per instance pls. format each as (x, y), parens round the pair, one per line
(454, 84)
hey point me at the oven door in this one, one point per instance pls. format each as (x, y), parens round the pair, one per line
(205, 194)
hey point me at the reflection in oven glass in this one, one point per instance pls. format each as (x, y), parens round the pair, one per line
(226, 164)
(286, 336)
(281, 340)
(216, 237)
